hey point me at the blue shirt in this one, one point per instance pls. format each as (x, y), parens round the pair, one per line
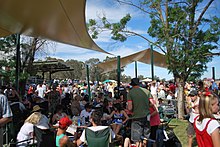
(5, 110)
(214, 86)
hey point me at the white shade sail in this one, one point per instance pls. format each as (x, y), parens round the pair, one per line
(142, 56)
(58, 20)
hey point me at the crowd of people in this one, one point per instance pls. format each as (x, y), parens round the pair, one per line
(131, 110)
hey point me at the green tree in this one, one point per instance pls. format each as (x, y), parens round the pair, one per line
(94, 72)
(77, 67)
(29, 46)
(181, 31)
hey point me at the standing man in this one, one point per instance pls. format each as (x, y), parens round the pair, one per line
(5, 114)
(138, 103)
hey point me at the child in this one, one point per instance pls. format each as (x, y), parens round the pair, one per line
(205, 125)
(193, 110)
(154, 119)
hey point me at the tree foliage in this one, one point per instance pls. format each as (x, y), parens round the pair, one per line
(180, 29)
(29, 46)
(184, 38)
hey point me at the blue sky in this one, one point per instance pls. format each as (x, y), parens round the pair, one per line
(139, 23)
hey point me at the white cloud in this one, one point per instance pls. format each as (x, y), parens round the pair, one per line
(69, 52)
(113, 11)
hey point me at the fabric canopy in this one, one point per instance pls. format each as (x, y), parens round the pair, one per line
(58, 20)
(142, 56)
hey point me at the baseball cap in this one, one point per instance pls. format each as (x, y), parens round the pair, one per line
(193, 93)
(64, 122)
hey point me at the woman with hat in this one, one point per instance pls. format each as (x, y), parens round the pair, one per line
(62, 139)
(26, 131)
(44, 121)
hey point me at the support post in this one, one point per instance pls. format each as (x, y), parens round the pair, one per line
(87, 73)
(213, 73)
(50, 75)
(97, 76)
(152, 61)
(118, 74)
(135, 64)
(18, 60)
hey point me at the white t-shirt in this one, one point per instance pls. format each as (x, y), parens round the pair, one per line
(213, 124)
(25, 132)
(44, 87)
(40, 91)
(85, 114)
(95, 128)
(169, 97)
(193, 113)
(153, 90)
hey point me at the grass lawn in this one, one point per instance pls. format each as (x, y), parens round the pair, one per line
(179, 127)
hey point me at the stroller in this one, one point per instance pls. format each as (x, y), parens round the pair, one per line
(165, 136)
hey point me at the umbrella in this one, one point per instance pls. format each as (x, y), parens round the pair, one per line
(108, 81)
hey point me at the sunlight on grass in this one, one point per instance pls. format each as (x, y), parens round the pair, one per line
(179, 127)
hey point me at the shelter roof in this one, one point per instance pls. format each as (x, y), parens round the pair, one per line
(142, 56)
(50, 66)
(58, 20)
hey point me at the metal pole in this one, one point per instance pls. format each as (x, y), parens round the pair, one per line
(135, 64)
(118, 74)
(213, 73)
(97, 76)
(17, 61)
(152, 62)
(87, 73)
(6, 134)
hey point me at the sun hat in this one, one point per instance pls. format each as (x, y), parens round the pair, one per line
(36, 108)
(64, 122)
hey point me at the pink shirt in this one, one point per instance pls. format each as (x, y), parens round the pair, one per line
(154, 120)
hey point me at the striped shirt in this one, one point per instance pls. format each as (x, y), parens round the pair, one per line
(5, 110)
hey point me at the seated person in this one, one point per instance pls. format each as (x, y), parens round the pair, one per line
(118, 116)
(96, 126)
(58, 114)
(86, 113)
(27, 130)
(63, 140)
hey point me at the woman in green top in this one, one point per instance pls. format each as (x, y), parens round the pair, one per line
(61, 139)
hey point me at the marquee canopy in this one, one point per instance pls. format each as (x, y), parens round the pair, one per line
(58, 20)
(142, 56)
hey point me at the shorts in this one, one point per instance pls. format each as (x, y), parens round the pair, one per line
(190, 129)
(139, 128)
(153, 131)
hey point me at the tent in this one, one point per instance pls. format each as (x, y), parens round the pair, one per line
(142, 56)
(58, 20)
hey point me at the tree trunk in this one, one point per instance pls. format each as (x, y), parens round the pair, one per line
(180, 98)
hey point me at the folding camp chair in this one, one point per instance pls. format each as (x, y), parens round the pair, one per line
(101, 138)
(45, 138)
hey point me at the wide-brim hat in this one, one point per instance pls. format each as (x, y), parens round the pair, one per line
(36, 108)
(135, 81)
(153, 82)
